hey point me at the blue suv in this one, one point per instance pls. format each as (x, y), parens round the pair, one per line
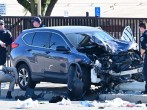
(76, 55)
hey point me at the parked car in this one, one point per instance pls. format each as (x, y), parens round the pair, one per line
(76, 55)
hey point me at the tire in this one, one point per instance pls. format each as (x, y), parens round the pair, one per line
(78, 83)
(86, 76)
(24, 75)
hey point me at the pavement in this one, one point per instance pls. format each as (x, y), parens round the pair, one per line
(59, 89)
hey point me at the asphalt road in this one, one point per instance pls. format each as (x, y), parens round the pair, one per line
(54, 90)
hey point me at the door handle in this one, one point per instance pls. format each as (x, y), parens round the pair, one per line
(29, 50)
(47, 52)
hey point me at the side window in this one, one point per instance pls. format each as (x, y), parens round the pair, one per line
(75, 39)
(41, 39)
(28, 38)
(56, 40)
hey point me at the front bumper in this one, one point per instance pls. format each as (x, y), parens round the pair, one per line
(128, 72)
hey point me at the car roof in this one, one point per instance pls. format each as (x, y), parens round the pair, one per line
(66, 29)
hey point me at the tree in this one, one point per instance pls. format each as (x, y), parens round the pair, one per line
(31, 6)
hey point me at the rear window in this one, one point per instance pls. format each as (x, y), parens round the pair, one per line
(28, 38)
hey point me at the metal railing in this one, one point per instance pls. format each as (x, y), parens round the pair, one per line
(113, 26)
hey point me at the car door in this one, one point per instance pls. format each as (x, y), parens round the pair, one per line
(40, 45)
(128, 36)
(56, 66)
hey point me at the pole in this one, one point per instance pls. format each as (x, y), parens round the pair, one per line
(39, 7)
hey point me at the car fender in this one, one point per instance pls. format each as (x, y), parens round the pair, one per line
(22, 60)
(74, 63)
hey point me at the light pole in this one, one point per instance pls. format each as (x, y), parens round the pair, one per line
(39, 7)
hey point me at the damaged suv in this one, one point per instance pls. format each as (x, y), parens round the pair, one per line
(76, 55)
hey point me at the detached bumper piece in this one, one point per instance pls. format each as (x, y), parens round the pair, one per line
(134, 71)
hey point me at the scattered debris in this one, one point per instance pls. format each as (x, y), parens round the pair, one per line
(118, 102)
(28, 103)
(89, 103)
(64, 102)
(56, 99)
(61, 100)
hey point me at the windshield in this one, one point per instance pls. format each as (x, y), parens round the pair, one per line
(86, 38)
(103, 36)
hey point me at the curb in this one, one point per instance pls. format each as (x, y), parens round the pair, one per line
(126, 97)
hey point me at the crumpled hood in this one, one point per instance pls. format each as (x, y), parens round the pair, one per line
(116, 45)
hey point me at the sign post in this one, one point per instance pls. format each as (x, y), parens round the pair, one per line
(39, 7)
(97, 11)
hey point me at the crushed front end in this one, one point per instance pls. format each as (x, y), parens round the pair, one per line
(113, 61)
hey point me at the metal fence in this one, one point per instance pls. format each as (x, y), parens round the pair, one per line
(113, 26)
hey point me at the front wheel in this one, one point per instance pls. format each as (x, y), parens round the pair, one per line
(79, 82)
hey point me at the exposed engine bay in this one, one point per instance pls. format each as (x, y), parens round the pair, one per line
(113, 63)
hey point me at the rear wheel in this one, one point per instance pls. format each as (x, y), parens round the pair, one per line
(24, 76)
(78, 82)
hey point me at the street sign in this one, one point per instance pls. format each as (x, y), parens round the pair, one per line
(2, 9)
(97, 11)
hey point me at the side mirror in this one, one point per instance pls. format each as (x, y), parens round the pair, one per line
(62, 48)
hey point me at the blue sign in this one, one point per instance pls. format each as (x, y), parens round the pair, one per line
(97, 11)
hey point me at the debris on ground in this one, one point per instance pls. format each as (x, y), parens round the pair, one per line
(89, 103)
(56, 99)
(28, 103)
(64, 102)
(118, 102)
(61, 100)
